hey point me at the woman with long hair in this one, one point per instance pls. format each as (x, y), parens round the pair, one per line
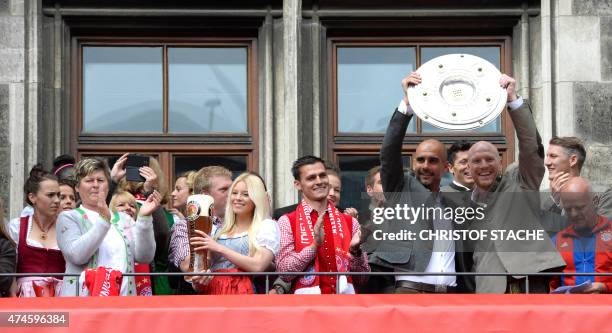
(248, 240)
(35, 236)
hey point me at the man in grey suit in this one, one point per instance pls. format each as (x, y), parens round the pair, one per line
(416, 189)
(564, 159)
(511, 201)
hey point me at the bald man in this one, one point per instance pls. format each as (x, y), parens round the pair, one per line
(416, 189)
(586, 245)
(511, 202)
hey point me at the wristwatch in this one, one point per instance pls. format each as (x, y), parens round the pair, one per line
(148, 193)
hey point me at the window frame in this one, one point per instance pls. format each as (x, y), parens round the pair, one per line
(166, 144)
(166, 154)
(165, 43)
(369, 143)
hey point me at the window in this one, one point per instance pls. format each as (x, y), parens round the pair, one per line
(354, 170)
(207, 84)
(235, 163)
(188, 103)
(367, 82)
(364, 89)
(122, 90)
(183, 163)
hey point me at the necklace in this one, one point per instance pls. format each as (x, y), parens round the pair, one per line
(44, 232)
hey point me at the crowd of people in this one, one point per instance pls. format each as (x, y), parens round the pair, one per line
(88, 220)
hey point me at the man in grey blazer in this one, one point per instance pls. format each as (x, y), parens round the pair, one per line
(564, 159)
(417, 188)
(511, 202)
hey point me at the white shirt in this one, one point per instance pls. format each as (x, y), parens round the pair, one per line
(14, 226)
(9, 224)
(112, 251)
(461, 185)
(442, 257)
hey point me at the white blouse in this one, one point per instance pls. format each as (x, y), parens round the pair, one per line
(267, 237)
(13, 229)
(111, 252)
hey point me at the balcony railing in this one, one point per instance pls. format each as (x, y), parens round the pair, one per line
(268, 274)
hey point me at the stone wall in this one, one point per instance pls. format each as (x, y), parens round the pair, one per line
(12, 65)
(571, 72)
(592, 83)
(569, 84)
(4, 142)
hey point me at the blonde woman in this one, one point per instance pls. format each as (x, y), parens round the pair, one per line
(124, 202)
(248, 241)
(92, 235)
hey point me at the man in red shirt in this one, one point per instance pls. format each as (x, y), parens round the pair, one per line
(586, 245)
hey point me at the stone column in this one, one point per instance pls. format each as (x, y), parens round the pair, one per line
(581, 77)
(12, 104)
(585, 63)
(20, 102)
(546, 74)
(266, 104)
(286, 108)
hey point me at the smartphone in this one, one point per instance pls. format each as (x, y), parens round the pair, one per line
(133, 163)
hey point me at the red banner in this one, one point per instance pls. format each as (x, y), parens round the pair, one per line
(322, 313)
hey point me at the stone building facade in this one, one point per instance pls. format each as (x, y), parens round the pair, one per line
(294, 78)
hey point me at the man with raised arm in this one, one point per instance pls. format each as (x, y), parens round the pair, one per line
(511, 202)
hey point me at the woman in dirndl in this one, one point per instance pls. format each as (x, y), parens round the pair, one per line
(248, 241)
(35, 237)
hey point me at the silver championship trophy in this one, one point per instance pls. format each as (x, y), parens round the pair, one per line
(458, 92)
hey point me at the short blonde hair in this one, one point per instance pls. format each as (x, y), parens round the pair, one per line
(202, 179)
(125, 196)
(89, 165)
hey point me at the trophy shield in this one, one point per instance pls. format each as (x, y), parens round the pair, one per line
(458, 92)
(199, 217)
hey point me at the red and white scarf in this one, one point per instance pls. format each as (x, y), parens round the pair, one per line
(332, 256)
(103, 281)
